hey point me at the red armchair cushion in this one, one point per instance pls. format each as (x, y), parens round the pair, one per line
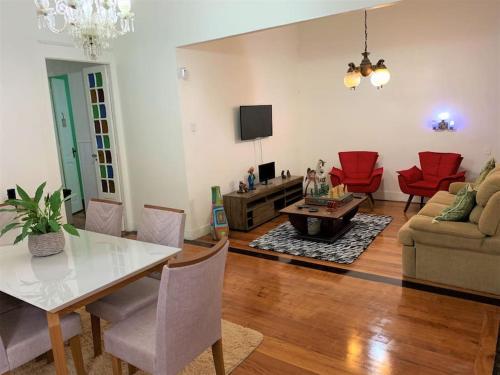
(436, 165)
(358, 164)
(411, 175)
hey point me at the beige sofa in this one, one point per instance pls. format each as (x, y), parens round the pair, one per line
(459, 254)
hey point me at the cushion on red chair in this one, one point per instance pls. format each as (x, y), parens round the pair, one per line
(358, 164)
(411, 175)
(357, 181)
(424, 184)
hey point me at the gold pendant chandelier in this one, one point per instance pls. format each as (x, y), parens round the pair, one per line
(379, 74)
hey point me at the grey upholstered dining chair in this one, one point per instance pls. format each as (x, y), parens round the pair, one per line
(105, 217)
(161, 225)
(24, 336)
(163, 339)
(7, 302)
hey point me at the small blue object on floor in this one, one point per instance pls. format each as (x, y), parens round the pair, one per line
(345, 250)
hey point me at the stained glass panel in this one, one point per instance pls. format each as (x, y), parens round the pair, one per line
(111, 186)
(95, 111)
(106, 141)
(110, 171)
(93, 96)
(100, 94)
(97, 127)
(98, 79)
(104, 125)
(103, 171)
(108, 157)
(91, 80)
(104, 184)
(103, 110)
(101, 157)
(99, 141)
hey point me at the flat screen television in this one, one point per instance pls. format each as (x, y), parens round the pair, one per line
(256, 121)
(266, 172)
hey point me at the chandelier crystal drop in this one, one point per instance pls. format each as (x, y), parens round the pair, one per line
(91, 23)
(379, 74)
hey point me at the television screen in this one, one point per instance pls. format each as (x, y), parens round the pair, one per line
(266, 172)
(256, 121)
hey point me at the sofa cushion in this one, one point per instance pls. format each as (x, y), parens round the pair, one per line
(489, 187)
(489, 221)
(488, 167)
(442, 197)
(461, 207)
(475, 214)
(432, 209)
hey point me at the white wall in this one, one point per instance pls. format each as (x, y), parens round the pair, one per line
(443, 56)
(257, 68)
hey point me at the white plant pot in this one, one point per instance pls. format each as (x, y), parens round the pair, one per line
(43, 245)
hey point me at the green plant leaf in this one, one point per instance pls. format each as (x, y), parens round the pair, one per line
(71, 230)
(19, 238)
(29, 205)
(8, 227)
(39, 192)
(24, 196)
(54, 226)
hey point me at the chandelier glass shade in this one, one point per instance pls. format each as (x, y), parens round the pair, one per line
(379, 74)
(91, 23)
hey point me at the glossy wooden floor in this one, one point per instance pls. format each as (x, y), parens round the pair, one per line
(316, 322)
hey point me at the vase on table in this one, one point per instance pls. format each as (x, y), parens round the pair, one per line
(42, 245)
(218, 220)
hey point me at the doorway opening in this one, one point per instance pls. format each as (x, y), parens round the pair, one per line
(83, 121)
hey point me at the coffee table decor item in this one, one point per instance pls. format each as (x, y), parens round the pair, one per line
(284, 239)
(39, 220)
(218, 220)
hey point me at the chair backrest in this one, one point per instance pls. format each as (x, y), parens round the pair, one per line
(436, 165)
(6, 218)
(4, 362)
(105, 217)
(161, 225)
(358, 164)
(189, 309)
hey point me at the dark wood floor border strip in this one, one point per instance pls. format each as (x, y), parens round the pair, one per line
(496, 362)
(372, 277)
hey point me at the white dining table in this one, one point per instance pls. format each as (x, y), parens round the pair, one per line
(91, 266)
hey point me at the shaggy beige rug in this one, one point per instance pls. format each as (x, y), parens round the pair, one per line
(238, 343)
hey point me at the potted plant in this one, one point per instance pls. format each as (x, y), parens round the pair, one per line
(41, 223)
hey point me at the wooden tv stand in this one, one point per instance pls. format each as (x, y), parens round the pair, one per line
(248, 210)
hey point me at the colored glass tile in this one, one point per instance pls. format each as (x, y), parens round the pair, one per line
(93, 96)
(104, 185)
(100, 94)
(109, 160)
(111, 186)
(99, 141)
(97, 126)
(103, 171)
(106, 141)
(110, 171)
(101, 157)
(104, 126)
(98, 79)
(95, 111)
(102, 108)
(91, 80)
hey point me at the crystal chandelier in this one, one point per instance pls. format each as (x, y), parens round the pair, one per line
(91, 23)
(379, 74)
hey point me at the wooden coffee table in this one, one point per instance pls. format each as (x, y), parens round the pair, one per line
(334, 224)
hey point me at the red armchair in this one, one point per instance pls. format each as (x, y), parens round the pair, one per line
(358, 172)
(438, 171)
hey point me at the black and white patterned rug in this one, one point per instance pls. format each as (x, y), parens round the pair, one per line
(345, 250)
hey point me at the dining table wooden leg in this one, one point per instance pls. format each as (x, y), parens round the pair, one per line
(56, 338)
(76, 351)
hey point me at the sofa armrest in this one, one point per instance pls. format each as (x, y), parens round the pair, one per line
(448, 228)
(377, 172)
(405, 235)
(455, 187)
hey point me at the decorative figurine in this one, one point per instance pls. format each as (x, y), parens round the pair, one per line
(322, 177)
(242, 188)
(283, 175)
(218, 219)
(310, 178)
(251, 178)
(288, 174)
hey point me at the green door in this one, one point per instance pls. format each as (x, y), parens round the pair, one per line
(66, 137)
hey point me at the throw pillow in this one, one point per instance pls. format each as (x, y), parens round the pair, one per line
(461, 208)
(489, 166)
